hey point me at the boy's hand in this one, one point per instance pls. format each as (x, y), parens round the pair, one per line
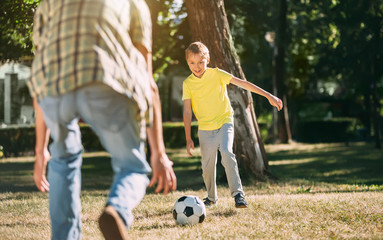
(276, 102)
(189, 144)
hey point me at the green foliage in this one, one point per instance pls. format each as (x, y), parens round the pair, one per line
(358, 26)
(249, 22)
(171, 34)
(333, 49)
(16, 21)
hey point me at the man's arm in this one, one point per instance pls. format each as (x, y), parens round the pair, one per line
(41, 150)
(161, 165)
(273, 100)
(187, 124)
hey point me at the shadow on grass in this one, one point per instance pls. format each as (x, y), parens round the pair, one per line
(96, 172)
(16, 177)
(338, 164)
(224, 213)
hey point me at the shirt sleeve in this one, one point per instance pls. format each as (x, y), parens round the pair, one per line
(224, 76)
(141, 24)
(185, 92)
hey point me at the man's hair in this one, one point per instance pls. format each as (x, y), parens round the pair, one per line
(197, 48)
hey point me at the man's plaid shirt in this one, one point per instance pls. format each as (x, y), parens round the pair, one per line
(78, 42)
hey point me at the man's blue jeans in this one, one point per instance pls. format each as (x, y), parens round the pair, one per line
(115, 119)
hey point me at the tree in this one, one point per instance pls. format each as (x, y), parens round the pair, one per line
(260, 25)
(170, 36)
(208, 23)
(284, 132)
(16, 19)
(333, 43)
(354, 50)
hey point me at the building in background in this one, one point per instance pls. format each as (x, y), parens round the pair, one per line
(170, 88)
(15, 102)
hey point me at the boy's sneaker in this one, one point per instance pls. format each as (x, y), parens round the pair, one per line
(207, 202)
(240, 201)
(111, 224)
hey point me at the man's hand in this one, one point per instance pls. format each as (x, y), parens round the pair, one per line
(39, 172)
(163, 173)
(41, 150)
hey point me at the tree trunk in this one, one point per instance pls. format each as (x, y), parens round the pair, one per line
(209, 24)
(284, 132)
(375, 100)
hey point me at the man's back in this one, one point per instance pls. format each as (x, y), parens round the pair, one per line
(84, 41)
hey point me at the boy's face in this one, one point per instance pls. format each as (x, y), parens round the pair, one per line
(197, 64)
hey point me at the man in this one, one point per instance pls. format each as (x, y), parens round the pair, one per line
(93, 61)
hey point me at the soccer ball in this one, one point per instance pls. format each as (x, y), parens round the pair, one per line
(189, 210)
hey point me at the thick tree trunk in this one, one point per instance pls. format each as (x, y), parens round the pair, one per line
(208, 23)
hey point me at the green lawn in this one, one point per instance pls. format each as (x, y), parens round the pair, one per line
(319, 191)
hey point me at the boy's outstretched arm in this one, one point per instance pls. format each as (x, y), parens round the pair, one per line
(273, 100)
(187, 124)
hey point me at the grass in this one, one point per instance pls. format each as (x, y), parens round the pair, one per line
(321, 191)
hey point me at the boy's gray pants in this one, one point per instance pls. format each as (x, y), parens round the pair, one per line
(222, 140)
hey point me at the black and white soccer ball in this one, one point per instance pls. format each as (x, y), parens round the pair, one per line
(189, 210)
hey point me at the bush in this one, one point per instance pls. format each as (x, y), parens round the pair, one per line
(17, 140)
(20, 140)
(174, 134)
(333, 130)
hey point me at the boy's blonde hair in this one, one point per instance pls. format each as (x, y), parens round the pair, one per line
(197, 48)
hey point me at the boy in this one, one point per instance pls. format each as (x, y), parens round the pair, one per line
(204, 93)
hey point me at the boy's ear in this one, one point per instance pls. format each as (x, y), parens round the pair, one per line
(208, 60)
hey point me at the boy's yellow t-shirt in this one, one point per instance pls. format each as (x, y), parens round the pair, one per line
(209, 98)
